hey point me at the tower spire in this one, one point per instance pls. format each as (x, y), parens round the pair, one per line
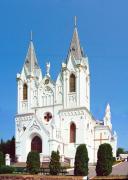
(75, 49)
(31, 59)
(107, 117)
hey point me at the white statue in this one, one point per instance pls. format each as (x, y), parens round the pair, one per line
(48, 68)
(7, 159)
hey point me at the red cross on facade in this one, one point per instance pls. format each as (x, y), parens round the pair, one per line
(101, 139)
(48, 116)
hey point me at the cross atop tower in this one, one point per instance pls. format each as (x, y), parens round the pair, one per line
(31, 35)
(75, 21)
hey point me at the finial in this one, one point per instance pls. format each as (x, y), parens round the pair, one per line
(31, 35)
(108, 107)
(48, 68)
(75, 21)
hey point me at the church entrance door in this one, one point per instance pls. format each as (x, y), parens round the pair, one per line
(36, 144)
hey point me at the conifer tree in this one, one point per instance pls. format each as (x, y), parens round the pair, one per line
(54, 164)
(33, 162)
(81, 161)
(104, 160)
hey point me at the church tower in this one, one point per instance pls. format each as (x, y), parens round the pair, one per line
(27, 81)
(76, 75)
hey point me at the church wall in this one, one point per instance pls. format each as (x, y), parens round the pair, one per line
(68, 118)
(114, 147)
(82, 88)
(102, 135)
(84, 134)
(25, 143)
(79, 97)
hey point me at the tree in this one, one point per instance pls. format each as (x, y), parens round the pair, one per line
(54, 164)
(8, 147)
(2, 159)
(104, 160)
(119, 151)
(81, 161)
(33, 162)
(12, 149)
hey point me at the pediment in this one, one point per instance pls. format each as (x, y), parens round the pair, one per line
(35, 125)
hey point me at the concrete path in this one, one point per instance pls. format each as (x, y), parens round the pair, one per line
(118, 169)
(92, 172)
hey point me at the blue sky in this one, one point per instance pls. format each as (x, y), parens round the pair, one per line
(103, 32)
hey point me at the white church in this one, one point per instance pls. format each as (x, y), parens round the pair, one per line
(55, 115)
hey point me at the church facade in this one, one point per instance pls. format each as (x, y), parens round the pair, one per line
(55, 115)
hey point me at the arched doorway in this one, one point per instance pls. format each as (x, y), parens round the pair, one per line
(36, 144)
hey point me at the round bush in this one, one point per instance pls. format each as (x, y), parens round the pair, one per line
(104, 160)
(6, 170)
(33, 162)
(81, 161)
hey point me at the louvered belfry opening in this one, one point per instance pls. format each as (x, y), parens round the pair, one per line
(25, 92)
(72, 133)
(36, 144)
(72, 83)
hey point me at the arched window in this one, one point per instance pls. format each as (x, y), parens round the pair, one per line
(36, 144)
(72, 133)
(72, 83)
(25, 92)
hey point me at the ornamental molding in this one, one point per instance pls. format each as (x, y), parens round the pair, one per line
(34, 126)
(73, 113)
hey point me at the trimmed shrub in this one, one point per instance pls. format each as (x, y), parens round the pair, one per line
(2, 159)
(54, 164)
(20, 170)
(33, 162)
(104, 160)
(81, 161)
(6, 170)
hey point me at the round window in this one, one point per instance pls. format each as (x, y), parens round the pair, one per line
(47, 116)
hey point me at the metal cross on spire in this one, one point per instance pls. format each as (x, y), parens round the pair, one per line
(75, 21)
(31, 35)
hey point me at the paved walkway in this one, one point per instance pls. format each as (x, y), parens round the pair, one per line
(118, 169)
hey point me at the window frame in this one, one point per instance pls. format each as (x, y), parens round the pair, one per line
(25, 91)
(72, 83)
